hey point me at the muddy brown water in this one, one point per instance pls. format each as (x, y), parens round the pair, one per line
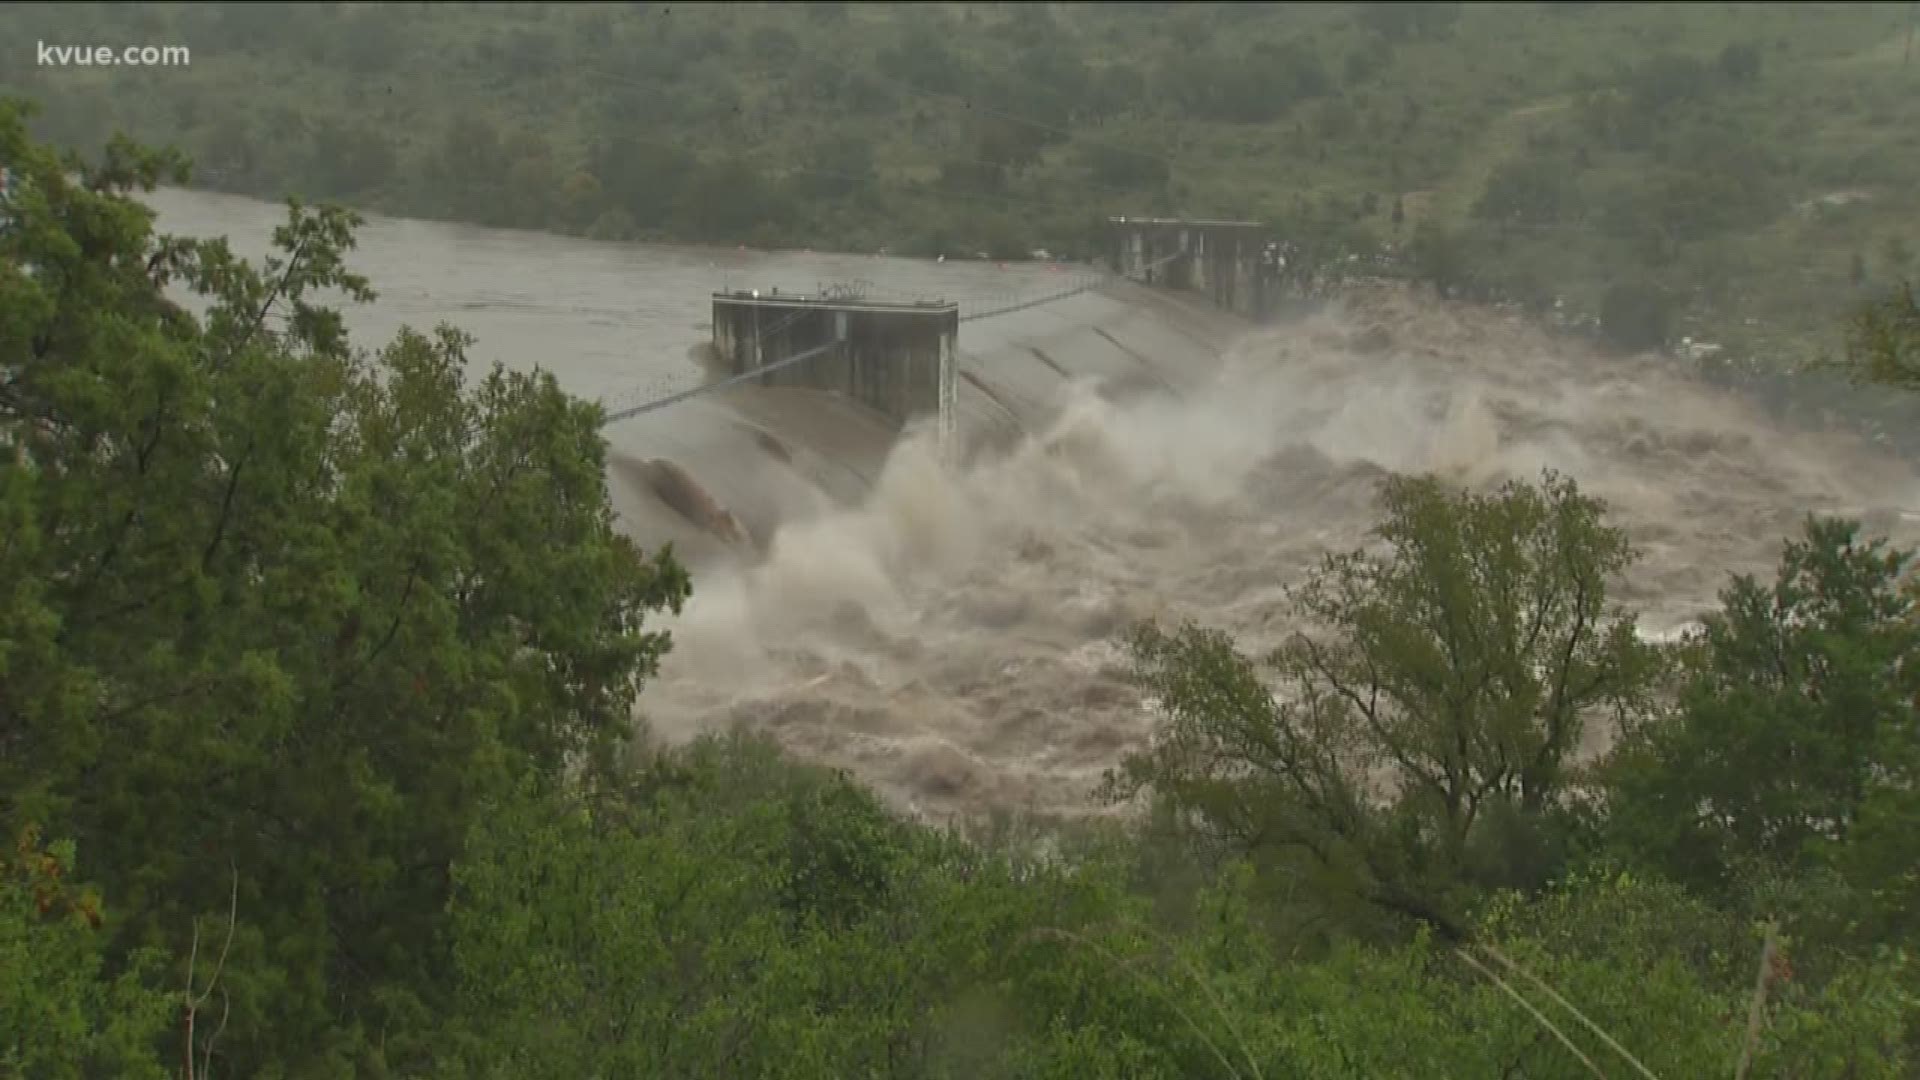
(946, 630)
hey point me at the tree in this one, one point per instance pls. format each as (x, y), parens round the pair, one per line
(1668, 79)
(730, 912)
(1740, 63)
(372, 40)
(643, 179)
(1396, 20)
(1419, 743)
(61, 1013)
(1439, 257)
(726, 200)
(1794, 728)
(922, 59)
(1636, 316)
(531, 189)
(1009, 145)
(1883, 340)
(344, 161)
(1114, 166)
(774, 45)
(1531, 191)
(467, 173)
(1897, 254)
(1246, 86)
(275, 608)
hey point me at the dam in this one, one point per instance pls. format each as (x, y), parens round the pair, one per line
(945, 626)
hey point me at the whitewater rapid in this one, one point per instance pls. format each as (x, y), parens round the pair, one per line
(946, 629)
(951, 637)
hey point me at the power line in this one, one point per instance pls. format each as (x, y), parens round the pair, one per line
(675, 399)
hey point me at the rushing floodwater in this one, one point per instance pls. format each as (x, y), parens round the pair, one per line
(947, 631)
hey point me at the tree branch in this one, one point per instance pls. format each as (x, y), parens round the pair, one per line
(226, 505)
(393, 630)
(194, 1001)
(274, 294)
(142, 461)
(1316, 659)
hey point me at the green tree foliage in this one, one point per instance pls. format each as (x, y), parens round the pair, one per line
(350, 161)
(1419, 742)
(729, 199)
(731, 912)
(327, 660)
(1438, 256)
(1666, 80)
(1740, 62)
(1529, 191)
(1896, 253)
(356, 103)
(1636, 316)
(642, 179)
(921, 59)
(62, 1014)
(1883, 340)
(1246, 86)
(1794, 732)
(841, 166)
(1119, 167)
(277, 609)
(1396, 20)
(1684, 1010)
(469, 170)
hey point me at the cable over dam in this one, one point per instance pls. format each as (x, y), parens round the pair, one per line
(827, 383)
(904, 374)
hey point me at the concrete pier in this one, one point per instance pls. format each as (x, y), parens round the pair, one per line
(1221, 260)
(895, 358)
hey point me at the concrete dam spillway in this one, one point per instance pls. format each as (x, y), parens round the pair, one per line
(944, 623)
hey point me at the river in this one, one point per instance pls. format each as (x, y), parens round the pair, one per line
(948, 631)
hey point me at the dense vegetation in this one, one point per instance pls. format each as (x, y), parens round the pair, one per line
(1738, 171)
(316, 672)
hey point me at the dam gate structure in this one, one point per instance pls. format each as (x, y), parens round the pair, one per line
(1230, 263)
(897, 359)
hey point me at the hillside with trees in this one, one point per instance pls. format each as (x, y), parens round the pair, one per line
(316, 675)
(1734, 171)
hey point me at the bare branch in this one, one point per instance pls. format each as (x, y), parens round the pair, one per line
(195, 1001)
(1756, 1014)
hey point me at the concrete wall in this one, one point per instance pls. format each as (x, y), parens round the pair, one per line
(1220, 260)
(897, 359)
